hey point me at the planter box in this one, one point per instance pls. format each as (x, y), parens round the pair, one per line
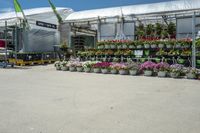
(123, 72)
(114, 71)
(104, 71)
(148, 73)
(87, 70)
(97, 70)
(133, 72)
(79, 69)
(72, 69)
(162, 74)
(64, 68)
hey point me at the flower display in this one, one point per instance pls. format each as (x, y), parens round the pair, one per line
(148, 65)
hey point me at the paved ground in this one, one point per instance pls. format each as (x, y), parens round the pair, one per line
(42, 100)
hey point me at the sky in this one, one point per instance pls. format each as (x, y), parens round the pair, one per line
(76, 5)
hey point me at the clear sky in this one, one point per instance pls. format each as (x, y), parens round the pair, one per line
(7, 5)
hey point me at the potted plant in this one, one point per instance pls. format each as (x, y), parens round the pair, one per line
(87, 66)
(192, 73)
(72, 66)
(123, 68)
(57, 64)
(170, 44)
(133, 68)
(187, 43)
(147, 67)
(131, 45)
(100, 45)
(96, 67)
(139, 44)
(147, 44)
(114, 68)
(154, 44)
(79, 66)
(162, 69)
(113, 45)
(107, 45)
(119, 45)
(175, 70)
(105, 67)
(64, 66)
(178, 44)
(161, 44)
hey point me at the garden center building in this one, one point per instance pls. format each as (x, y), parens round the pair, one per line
(84, 28)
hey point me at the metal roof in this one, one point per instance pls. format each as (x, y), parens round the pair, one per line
(36, 12)
(142, 9)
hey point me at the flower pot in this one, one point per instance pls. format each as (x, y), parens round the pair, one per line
(148, 73)
(178, 45)
(72, 69)
(119, 47)
(124, 46)
(131, 46)
(96, 70)
(104, 71)
(113, 46)
(162, 74)
(64, 68)
(161, 45)
(58, 68)
(153, 45)
(107, 46)
(101, 47)
(169, 46)
(123, 72)
(114, 71)
(146, 46)
(174, 75)
(87, 70)
(191, 76)
(79, 69)
(139, 46)
(133, 72)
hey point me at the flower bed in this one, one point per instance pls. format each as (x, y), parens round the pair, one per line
(148, 68)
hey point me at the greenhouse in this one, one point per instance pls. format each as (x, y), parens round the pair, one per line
(149, 22)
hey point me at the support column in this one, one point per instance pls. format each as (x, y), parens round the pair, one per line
(99, 30)
(193, 40)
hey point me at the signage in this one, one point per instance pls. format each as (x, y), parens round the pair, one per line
(46, 25)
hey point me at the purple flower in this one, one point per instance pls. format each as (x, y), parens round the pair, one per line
(162, 66)
(148, 65)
